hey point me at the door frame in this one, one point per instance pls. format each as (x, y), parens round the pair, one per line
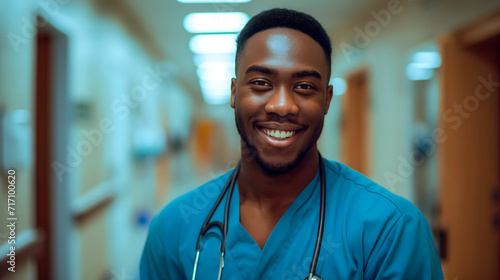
(52, 111)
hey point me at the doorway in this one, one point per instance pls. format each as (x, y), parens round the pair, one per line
(51, 106)
(355, 122)
(469, 156)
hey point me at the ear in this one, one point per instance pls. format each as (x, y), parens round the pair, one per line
(329, 94)
(233, 92)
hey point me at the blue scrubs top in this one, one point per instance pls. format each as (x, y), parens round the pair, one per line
(369, 233)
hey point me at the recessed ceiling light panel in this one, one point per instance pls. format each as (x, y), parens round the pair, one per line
(215, 22)
(215, 85)
(427, 59)
(218, 43)
(419, 72)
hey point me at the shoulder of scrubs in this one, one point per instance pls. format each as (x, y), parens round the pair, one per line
(388, 237)
(160, 257)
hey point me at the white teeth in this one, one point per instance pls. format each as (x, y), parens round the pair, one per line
(279, 134)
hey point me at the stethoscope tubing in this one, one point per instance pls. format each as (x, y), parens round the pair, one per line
(224, 227)
(321, 224)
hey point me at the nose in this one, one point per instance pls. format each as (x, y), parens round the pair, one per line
(282, 102)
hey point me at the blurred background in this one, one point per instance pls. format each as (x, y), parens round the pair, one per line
(110, 109)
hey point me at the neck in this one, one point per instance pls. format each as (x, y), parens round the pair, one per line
(275, 192)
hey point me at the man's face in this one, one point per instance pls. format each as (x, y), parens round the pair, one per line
(280, 97)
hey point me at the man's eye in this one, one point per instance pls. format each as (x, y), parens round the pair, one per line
(305, 87)
(260, 83)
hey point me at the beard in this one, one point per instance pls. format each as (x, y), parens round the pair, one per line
(280, 168)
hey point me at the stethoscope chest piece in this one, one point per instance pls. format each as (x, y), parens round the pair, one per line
(315, 277)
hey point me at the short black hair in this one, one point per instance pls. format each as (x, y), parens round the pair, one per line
(281, 17)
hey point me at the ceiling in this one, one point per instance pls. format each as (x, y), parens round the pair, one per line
(163, 21)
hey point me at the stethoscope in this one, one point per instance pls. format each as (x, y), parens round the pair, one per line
(223, 227)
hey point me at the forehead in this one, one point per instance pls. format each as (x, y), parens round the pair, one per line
(282, 48)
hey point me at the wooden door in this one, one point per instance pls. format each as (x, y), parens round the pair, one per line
(354, 122)
(469, 156)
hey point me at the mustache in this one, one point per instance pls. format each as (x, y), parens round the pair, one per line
(279, 119)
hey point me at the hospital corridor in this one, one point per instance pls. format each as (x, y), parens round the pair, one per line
(111, 109)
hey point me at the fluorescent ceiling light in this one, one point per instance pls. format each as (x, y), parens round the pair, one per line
(215, 85)
(427, 59)
(220, 74)
(339, 86)
(217, 65)
(213, 1)
(200, 59)
(219, 43)
(215, 22)
(216, 96)
(216, 71)
(418, 72)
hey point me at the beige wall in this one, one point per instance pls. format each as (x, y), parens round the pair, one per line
(105, 63)
(15, 94)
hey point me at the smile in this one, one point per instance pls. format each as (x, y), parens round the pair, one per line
(278, 134)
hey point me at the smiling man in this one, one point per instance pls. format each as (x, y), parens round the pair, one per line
(285, 212)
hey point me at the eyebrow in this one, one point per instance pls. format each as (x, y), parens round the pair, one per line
(269, 71)
(261, 69)
(306, 73)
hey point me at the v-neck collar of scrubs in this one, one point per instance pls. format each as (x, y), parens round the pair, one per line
(247, 255)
